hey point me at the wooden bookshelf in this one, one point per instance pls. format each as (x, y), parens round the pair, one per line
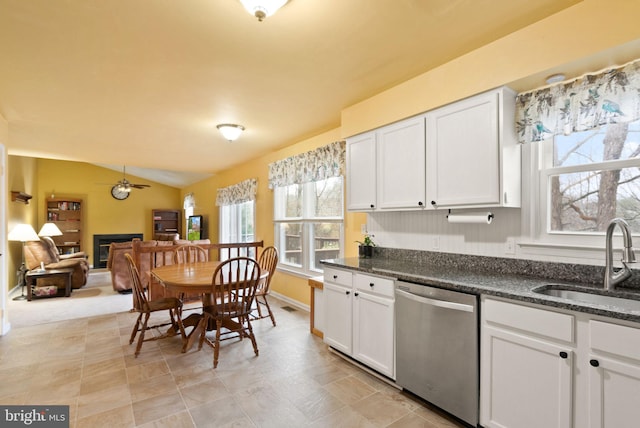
(166, 221)
(66, 213)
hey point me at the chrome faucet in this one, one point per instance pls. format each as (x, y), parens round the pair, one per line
(612, 278)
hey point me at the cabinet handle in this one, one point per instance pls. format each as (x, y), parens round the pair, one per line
(335, 276)
(563, 354)
(594, 363)
(348, 292)
(372, 206)
(420, 203)
(433, 202)
(371, 284)
(356, 294)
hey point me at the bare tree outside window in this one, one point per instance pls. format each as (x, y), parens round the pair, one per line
(595, 177)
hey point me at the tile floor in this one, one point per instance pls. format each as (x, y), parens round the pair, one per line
(89, 365)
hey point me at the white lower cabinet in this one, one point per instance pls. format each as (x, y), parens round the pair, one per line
(613, 375)
(557, 368)
(359, 318)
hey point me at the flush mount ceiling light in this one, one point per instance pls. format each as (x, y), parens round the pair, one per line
(230, 131)
(555, 78)
(262, 8)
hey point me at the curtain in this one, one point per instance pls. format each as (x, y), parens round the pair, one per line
(609, 96)
(316, 165)
(189, 201)
(238, 193)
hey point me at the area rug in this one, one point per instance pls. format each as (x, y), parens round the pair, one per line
(97, 297)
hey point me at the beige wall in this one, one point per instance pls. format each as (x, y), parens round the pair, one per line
(204, 192)
(588, 36)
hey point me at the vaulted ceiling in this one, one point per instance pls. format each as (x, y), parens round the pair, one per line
(144, 83)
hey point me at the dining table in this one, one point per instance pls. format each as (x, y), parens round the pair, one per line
(190, 279)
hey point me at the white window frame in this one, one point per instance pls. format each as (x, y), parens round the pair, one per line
(580, 247)
(307, 221)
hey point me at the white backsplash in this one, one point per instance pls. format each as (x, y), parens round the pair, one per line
(430, 231)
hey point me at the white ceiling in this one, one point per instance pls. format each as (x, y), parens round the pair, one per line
(144, 82)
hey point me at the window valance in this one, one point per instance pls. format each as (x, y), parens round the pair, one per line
(244, 191)
(189, 201)
(316, 165)
(610, 96)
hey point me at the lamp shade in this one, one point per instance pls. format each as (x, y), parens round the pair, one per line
(49, 229)
(230, 131)
(262, 8)
(23, 233)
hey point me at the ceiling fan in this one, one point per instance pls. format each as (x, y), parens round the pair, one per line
(123, 187)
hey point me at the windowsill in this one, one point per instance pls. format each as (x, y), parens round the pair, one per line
(297, 273)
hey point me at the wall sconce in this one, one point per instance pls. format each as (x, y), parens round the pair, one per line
(230, 131)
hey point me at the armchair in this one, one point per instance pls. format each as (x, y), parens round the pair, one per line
(46, 252)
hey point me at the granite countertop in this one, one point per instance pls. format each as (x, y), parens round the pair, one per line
(474, 279)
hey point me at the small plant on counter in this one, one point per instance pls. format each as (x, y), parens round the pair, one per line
(366, 246)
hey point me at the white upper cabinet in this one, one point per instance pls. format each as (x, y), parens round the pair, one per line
(473, 158)
(462, 155)
(401, 165)
(361, 172)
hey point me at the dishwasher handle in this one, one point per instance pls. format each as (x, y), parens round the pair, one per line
(435, 302)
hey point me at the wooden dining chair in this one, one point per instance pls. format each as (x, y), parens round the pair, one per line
(268, 262)
(145, 307)
(190, 253)
(234, 285)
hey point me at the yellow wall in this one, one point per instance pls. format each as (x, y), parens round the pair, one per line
(204, 192)
(591, 28)
(21, 177)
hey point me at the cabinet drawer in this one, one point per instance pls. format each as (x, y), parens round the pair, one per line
(374, 284)
(338, 276)
(544, 323)
(616, 339)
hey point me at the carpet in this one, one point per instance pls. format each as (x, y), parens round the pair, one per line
(97, 297)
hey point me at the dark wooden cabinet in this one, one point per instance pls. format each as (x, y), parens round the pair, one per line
(166, 221)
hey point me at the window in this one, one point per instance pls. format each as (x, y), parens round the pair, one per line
(237, 223)
(586, 179)
(309, 224)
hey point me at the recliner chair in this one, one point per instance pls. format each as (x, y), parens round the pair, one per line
(45, 251)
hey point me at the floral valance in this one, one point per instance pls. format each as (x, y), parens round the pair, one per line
(316, 165)
(189, 201)
(238, 193)
(610, 96)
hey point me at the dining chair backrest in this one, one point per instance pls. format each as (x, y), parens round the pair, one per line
(190, 253)
(140, 301)
(268, 262)
(234, 286)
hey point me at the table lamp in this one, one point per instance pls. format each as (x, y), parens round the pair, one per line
(22, 233)
(49, 229)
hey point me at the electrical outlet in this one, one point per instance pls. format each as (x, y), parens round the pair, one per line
(363, 228)
(510, 246)
(435, 243)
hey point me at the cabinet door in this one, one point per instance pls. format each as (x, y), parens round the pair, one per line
(361, 172)
(373, 332)
(463, 157)
(337, 316)
(614, 388)
(401, 165)
(525, 382)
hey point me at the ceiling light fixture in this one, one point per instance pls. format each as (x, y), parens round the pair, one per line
(555, 78)
(230, 131)
(262, 8)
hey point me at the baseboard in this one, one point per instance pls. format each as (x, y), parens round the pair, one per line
(290, 301)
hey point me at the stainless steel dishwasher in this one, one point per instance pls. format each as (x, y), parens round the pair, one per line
(437, 347)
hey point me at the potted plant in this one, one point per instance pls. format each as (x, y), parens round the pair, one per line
(365, 248)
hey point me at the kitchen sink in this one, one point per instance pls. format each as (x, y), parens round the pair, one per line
(585, 295)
